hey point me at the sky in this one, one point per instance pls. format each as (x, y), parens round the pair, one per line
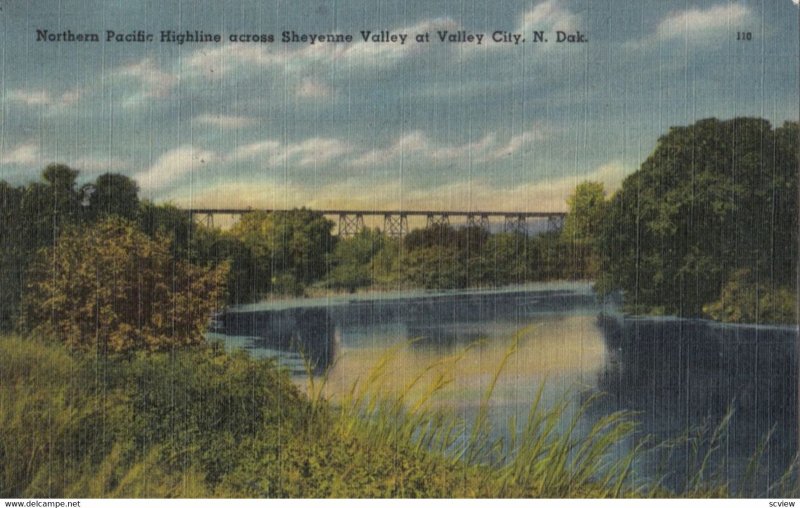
(381, 125)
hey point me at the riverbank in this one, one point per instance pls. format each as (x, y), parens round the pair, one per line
(324, 298)
(195, 423)
(677, 375)
(204, 423)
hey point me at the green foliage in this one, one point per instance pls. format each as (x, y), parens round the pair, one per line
(587, 212)
(33, 216)
(111, 288)
(351, 260)
(167, 221)
(246, 277)
(52, 426)
(290, 249)
(113, 194)
(713, 198)
(443, 257)
(743, 300)
(199, 422)
(434, 267)
(269, 253)
(153, 425)
(586, 205)
(386, 265)
(510, 258)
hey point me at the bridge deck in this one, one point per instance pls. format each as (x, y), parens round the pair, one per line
(377, 213)
(395, 222)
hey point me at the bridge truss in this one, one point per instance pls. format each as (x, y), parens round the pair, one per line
(395, 222)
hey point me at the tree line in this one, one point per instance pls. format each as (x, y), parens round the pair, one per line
(98, 267)
(706, 227)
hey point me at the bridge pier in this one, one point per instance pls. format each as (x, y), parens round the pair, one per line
(555, 223)
(441, 219)
(395, 225)
(478, 221)
(205, 219)
(515, 224)
(350, 224)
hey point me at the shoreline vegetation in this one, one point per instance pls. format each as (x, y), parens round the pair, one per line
(108, 388)
(200, 422)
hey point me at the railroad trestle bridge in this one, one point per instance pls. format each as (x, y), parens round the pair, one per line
(395, 222)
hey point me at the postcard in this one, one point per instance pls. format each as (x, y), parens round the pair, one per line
(404, 249)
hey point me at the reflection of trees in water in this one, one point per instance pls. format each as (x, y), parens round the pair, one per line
(433, 321)
(309, 332)
(683, 373)
(443, 336)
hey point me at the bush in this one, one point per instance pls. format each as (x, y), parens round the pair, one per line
(743, 300)
(111, 288)
(148, 425)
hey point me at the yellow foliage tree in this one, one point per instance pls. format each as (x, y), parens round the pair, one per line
(111, 288)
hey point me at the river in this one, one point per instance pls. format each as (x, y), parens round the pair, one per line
(676, 375)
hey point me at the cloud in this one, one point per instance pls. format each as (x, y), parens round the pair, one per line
(381, 55)
(23, 154)
(225, 121)
(548, 15)
(312, 151)
(216, 62)
(173, 165)
(30, 97)
(394, 194)
(99, 164)
(698, 23)
(417, 144)
(303, 62)
(253, 150)
(44, 98)
(313, 89)
(154, 82)
(305, 153)
(518, 142)
(411, 143)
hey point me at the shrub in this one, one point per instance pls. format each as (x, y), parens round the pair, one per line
(111, 288)
(743, 300)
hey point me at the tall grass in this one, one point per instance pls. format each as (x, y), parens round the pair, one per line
(203, 423)
(544, 459)
(553, 454)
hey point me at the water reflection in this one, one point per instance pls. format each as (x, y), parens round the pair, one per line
(676, 374)
(296, 335)
(680, 374)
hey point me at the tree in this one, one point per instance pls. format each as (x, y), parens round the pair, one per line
(32, 217)
(13, 257)
(435, 267)
(436, 235)
(744, 300)
(113, 194)
(587, 212)
(292, 246)
(166, 220)
(351, 259)
(713, 198)
(110, 288)
(587, 205)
